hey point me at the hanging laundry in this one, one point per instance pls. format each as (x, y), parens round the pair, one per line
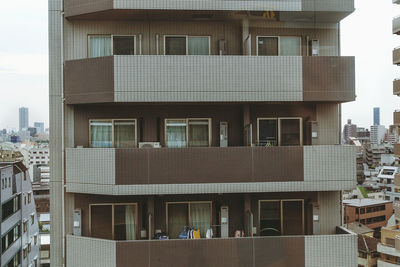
(196, 233)
(209, 233)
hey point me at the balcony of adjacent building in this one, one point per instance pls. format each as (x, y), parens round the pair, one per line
(396, 56)
(295, 11)
(286, 229)
(222, 147)
(396, 87)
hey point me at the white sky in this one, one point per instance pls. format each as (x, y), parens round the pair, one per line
(366, 34)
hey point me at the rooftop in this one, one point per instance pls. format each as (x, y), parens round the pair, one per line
(358, 228)
(364, 202)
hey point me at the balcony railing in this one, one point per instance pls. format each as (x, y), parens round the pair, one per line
(209, 170)
(100, 9)
(209, 78)
(325, 250)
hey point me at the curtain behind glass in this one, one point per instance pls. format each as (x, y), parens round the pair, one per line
(200, 214)
(198, 46)
(268, 46)
(176, 133)
(270, 218)
(124, 134)
(292, 217)
(130, 222)
(100, 134)
(289, 46)
(177, 219)
(101, 221)
(175, 45)
(198, 133)
(99, 46)
(267, 132)
(290, 132)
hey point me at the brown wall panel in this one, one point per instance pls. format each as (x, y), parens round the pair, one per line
(89, 80)
(72, 7)
(328, 79)
(241, 252)
(208, 165)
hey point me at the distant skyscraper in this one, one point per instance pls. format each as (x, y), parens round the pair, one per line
(377, 120)
(39, 127)
(23, 118)
(377, 134)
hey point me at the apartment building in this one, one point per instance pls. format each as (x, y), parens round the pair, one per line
(19, 225)
(368, 254)
(370, 212)
(389, 247)
(218, 116)
(39, 156)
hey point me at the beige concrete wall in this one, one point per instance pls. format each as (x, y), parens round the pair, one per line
(328, 123)
(330, 212)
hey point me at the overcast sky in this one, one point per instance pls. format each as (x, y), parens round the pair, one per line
(366, 34)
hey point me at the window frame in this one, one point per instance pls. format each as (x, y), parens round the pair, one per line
(279, 43)
(112, 130)
(187, 129)
(278, 120)
(188, 203)
(281, 212)
(187, 43)
(112, 216)
(112, 42)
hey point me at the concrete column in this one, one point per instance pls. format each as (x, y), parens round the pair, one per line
(150, 216)
(246, 37)
(247, 130)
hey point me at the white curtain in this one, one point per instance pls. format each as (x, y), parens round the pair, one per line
(290, 46)
(200, 216)
(99, 46)
(176, 133)
(100, 134)
(130, 223)
(198, 46)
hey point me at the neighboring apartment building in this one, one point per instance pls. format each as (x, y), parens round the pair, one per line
(373, 154)
(370, 212)
(349, 130)
(389, 247)
(245, 105)
(377, 134)
(19, 225)
(386, 181)
(367, 251)
(39, 156)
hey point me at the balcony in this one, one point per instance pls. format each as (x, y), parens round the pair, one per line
(396, 117)
(209, 79)
(330, 10)
(396, 25)
(396, 56)
(396, 87)
(209, 170)
(324, 250)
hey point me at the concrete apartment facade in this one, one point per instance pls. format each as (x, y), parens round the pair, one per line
(243, 99)
(19, 225)
(372, 213)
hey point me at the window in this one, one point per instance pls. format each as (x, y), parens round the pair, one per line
(186, 45)
(280, 131)
(29, 197)
(29, 247)
(281, 217)
(113, 221)
(25, 252)
(32, 218)
(188, 132)
(35, 238)
(107, 45)
(120, 133)
(278, 46)
(9, 181)
(10, 237)
(194, 214)
(25, 226)
(10, 207)
(2, 183)
(15, 261)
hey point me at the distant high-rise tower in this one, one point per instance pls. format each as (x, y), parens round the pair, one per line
(39, 126)
(377, 120)
(23, 118)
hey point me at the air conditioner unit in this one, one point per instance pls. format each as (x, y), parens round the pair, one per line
(149, 145)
